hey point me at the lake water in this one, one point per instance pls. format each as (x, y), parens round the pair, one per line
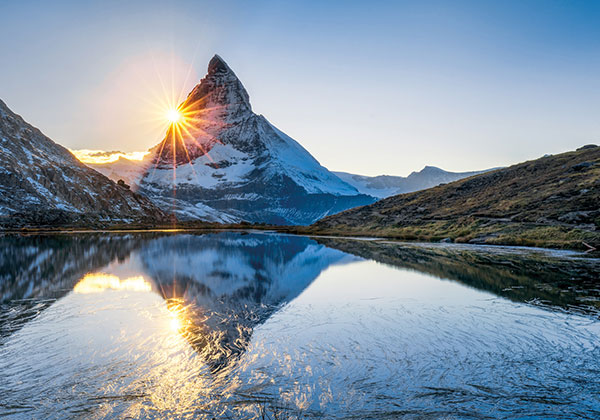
(261, 325)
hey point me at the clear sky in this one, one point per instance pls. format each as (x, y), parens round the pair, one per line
(367, 87)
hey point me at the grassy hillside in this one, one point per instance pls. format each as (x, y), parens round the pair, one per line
(552, 201)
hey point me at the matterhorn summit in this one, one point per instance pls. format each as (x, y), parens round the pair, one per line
(217, 101)
(225, 163)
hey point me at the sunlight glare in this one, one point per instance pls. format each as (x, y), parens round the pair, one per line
(173, 116)
(175, 324)
(177, 311)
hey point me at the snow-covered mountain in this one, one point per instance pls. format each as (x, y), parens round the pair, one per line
(42, 183)
(383, 186)
(226, 163)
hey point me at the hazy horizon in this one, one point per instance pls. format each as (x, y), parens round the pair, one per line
(383, 88)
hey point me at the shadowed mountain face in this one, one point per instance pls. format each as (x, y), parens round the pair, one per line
(42, 183)
(524, 276)
(225, 163)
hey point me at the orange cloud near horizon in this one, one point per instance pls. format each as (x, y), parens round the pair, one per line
(103, 157)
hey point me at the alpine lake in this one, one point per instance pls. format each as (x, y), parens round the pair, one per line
(244, 325)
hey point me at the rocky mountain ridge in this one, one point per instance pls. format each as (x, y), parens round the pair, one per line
(383, 186)
(43, 184)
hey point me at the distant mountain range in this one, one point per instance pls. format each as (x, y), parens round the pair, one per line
(550, 201)
(42, 183)
(383, 186)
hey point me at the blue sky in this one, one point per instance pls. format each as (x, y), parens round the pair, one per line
(367, 87)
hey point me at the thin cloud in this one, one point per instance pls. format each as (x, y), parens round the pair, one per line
(101, 156)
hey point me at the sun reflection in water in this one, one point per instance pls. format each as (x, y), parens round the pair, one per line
(183, 361)
(177, 314)
(98, 282)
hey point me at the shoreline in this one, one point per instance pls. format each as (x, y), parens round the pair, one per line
(540, 245)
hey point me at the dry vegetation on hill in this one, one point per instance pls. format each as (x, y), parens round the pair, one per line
(552, 201)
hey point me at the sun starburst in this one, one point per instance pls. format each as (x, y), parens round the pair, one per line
(190, 125)
(174, 116)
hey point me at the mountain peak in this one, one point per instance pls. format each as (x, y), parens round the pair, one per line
(430, 168)
(217, 65)
(227, 163)
(219, 88)
(218, 101)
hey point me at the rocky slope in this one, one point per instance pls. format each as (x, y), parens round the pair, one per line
(551, 201)
(225, 163)
(383, 186)
(42, 183)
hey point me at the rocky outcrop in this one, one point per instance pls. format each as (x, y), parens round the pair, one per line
(42, 183)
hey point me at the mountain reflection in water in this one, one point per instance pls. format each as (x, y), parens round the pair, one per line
(523, 275)
(160, 325)
(227, 284)
(219, 285)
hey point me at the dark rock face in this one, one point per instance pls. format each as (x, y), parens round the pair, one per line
(43, 184)
(220, 86)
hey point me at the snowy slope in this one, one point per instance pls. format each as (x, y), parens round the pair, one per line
(130, 171)
(232, 161)
(41, 182)
(383, 186)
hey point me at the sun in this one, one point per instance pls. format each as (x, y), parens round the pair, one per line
(174, 116)
(175, 324)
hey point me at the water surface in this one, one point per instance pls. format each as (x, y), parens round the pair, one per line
(259, 325)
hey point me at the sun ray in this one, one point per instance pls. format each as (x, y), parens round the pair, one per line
(157, 160)
(190, 68)
(204, 151)
(189, 125)
(187, 154)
